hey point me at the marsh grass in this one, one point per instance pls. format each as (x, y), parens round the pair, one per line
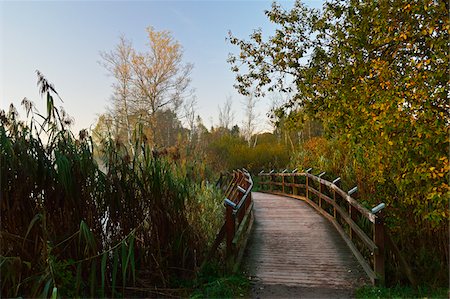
(215, 282)
(401, 292)
(69, 229)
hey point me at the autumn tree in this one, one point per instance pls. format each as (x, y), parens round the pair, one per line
(376, 74)
(147, 83)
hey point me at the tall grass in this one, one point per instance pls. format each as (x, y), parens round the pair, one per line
(69, 229)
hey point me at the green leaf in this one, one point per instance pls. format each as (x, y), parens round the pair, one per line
(50, 106)
(103, 270)
(55, 293)
(88, 236)
(124, 263)
(93, 278)
(46, 288)
(30, 226)
(131, 258)
(114, 274)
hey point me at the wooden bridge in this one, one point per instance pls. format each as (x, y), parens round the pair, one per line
(309, 238)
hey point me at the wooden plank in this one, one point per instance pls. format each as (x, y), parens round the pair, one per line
(293, 245)
(349, 243)
(361, 234)
(363, 210)
(379, 239)
(362, 261)
(244, 241)
(242, 226)
(295, 185)
(229, 230)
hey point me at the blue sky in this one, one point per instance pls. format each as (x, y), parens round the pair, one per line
(63, 40)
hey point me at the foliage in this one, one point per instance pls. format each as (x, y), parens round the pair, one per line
(214, 283)
(400, 292)
(70, 229)
(148, 86)
(226, 152)
(375, 74)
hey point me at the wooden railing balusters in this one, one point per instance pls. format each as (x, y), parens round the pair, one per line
(379, 239)
(334, 205)
(238, 218)
(307, 188)
(230, 225)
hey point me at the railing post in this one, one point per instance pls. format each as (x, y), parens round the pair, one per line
(379, 240)
(336, 182)
(320, 189)
(352, 211)
(282, 183)
(230, 229)
(272, 180)
(307, 182)
(335, 203)
(294, 187)
(307, 187)
(320, 195)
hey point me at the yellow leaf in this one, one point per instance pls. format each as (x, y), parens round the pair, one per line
(432, 168)
(390, 142)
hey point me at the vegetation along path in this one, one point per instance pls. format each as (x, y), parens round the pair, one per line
(295, 252)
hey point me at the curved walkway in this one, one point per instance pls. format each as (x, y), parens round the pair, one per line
(294, 252)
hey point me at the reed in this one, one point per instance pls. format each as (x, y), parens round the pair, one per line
(70, 229)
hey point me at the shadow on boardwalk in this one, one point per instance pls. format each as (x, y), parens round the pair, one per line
(294, 252)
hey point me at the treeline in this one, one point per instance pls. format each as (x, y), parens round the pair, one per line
(375, 75)
(152, 98)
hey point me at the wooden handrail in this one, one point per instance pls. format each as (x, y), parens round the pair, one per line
(238, 217)
(326, 195)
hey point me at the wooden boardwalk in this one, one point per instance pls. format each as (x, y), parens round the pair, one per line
(294, 252)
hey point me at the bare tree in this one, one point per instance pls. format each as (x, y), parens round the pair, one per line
(249, 125)
(118, 64)
(189, 115)
(226, 115)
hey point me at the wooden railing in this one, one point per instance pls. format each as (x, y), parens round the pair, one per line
(238, 217)
(362, 229)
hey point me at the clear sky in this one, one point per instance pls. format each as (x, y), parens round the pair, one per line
(63, 40)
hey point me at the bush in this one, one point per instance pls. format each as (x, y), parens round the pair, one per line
(423, 242)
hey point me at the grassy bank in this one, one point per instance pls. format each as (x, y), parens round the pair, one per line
(401, 292)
